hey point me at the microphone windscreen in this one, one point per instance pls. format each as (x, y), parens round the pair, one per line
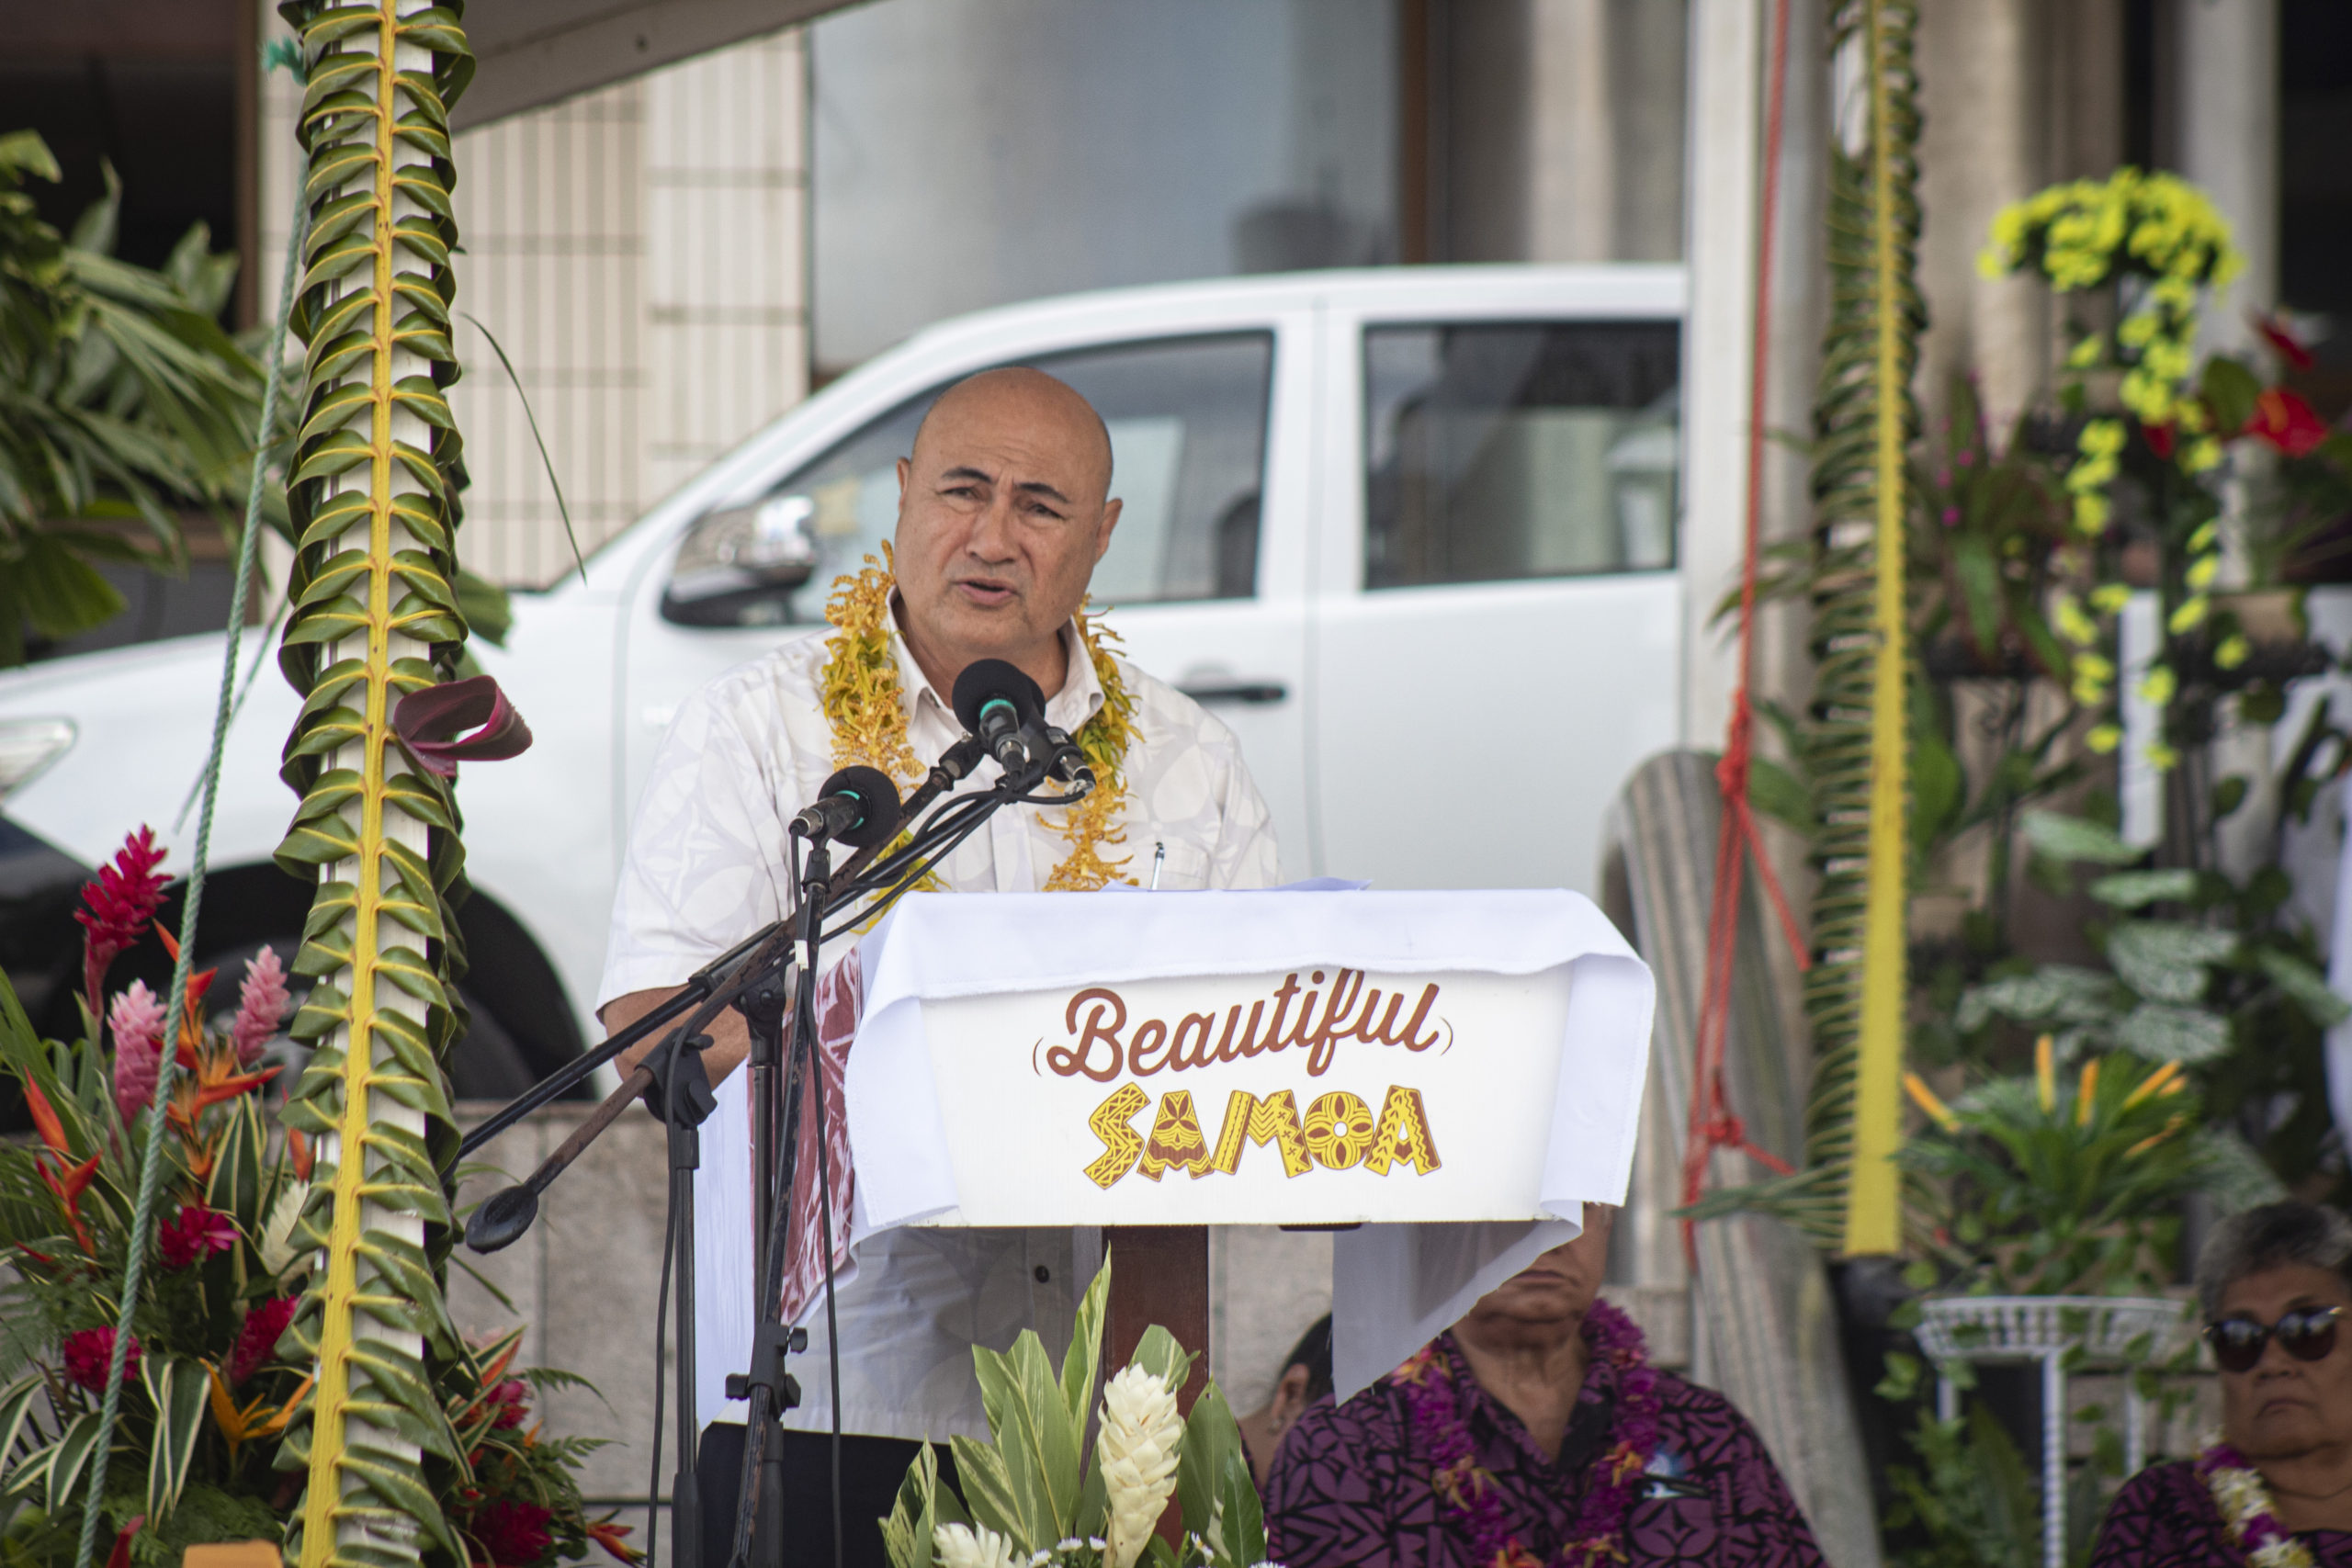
(985, 680)
(874, 789)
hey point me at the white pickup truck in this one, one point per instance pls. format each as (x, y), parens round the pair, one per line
(1410, 532)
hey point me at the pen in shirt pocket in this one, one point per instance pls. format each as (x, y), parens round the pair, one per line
(1159, 858)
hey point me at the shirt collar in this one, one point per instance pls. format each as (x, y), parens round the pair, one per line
(1067, 710)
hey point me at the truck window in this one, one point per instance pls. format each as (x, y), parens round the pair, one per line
(1498, 452)
(1187, 418)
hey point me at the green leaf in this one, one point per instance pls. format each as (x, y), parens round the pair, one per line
(2073, 839)
(2055, 993)
(2187, 1035)
(1778, 794)
(72, 1451)
(1157, 1353)
(179, 1390)
(2167, 961)
(2137, 890)
(63, 595)
(2229, 1171)
(1212, 1441)
(1082, 1364)
(2306, 985)
(2230, 389)
(988, 1490)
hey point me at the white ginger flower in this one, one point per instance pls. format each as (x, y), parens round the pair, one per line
(1141, 1431)
(961, 1547)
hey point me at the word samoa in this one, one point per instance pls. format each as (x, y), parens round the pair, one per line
(1348, 1011)
(1337, 1133)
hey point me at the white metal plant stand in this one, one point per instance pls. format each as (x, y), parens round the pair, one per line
(2129, 1331)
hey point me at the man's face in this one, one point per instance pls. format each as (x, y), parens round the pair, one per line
(1559, 1286)
(2281, 1408)
(1001, 517)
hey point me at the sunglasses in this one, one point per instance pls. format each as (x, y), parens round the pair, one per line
(2307, 1334)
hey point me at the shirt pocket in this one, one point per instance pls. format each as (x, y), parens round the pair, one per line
(1186, 866)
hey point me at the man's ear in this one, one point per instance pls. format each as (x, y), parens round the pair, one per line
(1289, 1394)
(1110, 521)
(906, 471)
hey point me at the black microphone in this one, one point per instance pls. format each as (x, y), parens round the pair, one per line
(1065, 762)
(859, 805)
(995, 702)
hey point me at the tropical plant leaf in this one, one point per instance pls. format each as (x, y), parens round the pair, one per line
(2164, 1034)
(178, 1390)
(2065, 838)
(2167, 961)
(2138, 889)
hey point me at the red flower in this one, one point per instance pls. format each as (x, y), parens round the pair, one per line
(613, 1538)
(511, 1399)
(2284, 343)
(194, 1235)
(120, 1556)
(2159, 439)
(257, 1339)
(261, 1002)
(88, 1352)
(2286, 421)
(120, 900)
(512, 1534)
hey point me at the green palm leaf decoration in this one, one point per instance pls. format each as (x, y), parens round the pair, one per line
(374, 498)
(1864, 421)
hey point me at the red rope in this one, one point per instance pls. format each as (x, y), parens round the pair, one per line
(1713, 1124)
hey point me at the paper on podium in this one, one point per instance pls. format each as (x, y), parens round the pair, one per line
(1455, 1072)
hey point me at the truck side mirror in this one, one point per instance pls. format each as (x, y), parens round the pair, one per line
(739, 566)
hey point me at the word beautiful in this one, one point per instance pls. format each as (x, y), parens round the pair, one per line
(1339, 1132)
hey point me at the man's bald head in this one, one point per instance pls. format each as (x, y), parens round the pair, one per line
(1020, 394)
(1003, 510)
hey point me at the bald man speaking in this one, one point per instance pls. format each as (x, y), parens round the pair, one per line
(1004, 507)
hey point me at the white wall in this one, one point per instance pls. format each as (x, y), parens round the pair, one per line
(639, 252)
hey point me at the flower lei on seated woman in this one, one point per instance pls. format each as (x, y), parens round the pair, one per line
(868, 715)
(2245, 1504)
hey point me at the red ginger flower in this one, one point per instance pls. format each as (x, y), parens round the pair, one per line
(2283, 343)
(511, 1401)
(261, 1002)
(194, 1235)
(119, 902)
(136, 1019)
(614, 1538)
(512, 1534)
(2285, 421)
(88, 1352)
(257, 1339)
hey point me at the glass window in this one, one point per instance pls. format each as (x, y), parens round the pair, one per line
(1187, 418)
(1495, 453)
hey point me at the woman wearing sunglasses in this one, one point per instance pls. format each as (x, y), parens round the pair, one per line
(2275, 1284)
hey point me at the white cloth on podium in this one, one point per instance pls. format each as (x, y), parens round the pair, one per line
(1394, 1285)
(706, 866)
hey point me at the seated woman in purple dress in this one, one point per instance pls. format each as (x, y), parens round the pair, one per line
(2275, 1284)
(1533, 1432)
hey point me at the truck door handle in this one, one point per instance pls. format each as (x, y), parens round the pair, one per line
(1255, 694)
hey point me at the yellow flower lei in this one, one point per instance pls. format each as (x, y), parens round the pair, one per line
(867, 711)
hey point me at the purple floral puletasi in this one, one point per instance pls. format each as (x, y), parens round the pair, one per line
(2164, 1517)
(1351, 1487)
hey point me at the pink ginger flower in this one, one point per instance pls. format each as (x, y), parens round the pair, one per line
(136, 1019)
(261, 1003)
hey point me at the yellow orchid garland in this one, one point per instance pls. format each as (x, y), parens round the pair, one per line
(2082, 235)
(859, 685)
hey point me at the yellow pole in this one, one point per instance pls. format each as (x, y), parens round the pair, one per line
(1873, 1210)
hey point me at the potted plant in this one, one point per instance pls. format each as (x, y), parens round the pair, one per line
(211, 1376)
